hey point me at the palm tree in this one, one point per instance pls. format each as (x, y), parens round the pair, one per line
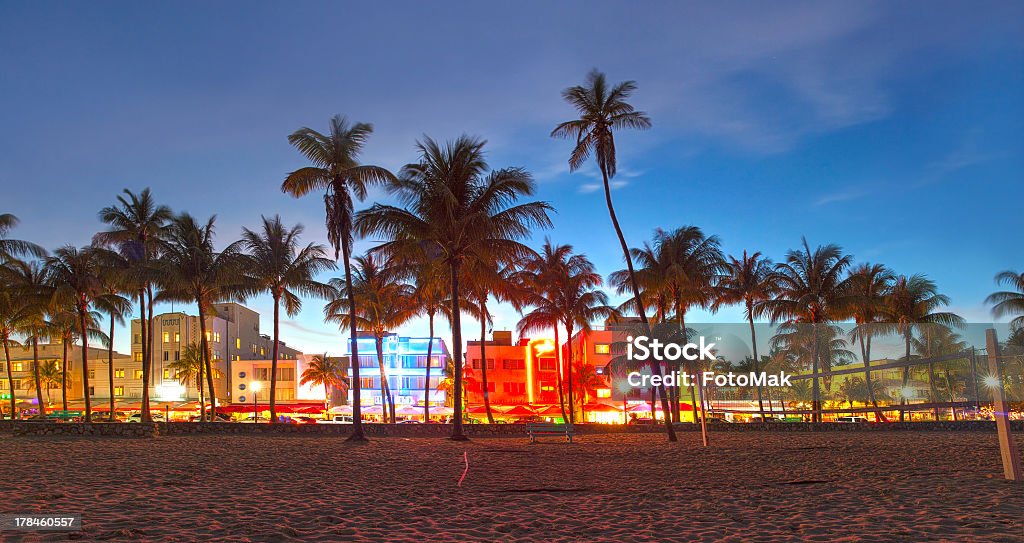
(429, 298)
(937, 340)
(31, 285)
(748, 281)
(459, 209)
(586, 382)
(326, 372)
(12, 314)
(870, 284)
(563, 289)
(137, 224)
(383, 303)
(189, 369)
(51, 377)
(336, 171)
(75, 276)
(275, 262)
(192, 271)
(811, 290)
(911, 303)
(1009, 302)
(13, 248)
(116, 280)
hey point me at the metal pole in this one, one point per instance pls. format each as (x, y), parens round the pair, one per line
(1007, 449)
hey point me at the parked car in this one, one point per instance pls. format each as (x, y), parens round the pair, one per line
(409, 421)
(851, 420)
(305, 420)
(137, 417)
(338, 419)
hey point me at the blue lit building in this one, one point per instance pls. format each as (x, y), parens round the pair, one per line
(405, 364)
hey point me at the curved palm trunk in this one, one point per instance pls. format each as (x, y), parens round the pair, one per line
(483, 360)
(82, 312)
(636, 295)
(144, 329)
(273, 362)
(568, 370)
(327, 398)
(561, 370)
(426, 380)
(35, 371)
(753, 345)
(693, 398)
(457, 430)
(10, 376)
(110, 368)
(150, 324)
(202, 397)
(385, 390)
(206, 365)
(353, 363)
(865, 350)
(64, 374)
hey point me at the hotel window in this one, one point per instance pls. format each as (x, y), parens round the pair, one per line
(3, 368)
(136, 338)
(138, 374)
(235, 357)
(604, 393)
(119, 372)
(92, 374)
(366, 382)
(137, 357)
(216, 373)
(285, 394)
(16, 366)
(490, 386)
(513, 364)
(118, 391)
(166, 355)
(547, 364)
(177, 355)
(263, 352)
(435, 362)
(208, 336)
(216, 337)
(167, 374)
(490, 364)
(167, 337)
(285, 374)
(177, 337)
(515, 388)
(92, 391)
(602, 348)
(547, 386)
(252, 347)
(238, 343)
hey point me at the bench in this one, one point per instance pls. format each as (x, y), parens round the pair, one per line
(539, 429)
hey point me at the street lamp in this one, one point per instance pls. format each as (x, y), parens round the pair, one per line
(255, 388)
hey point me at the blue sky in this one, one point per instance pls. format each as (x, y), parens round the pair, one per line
(890, 129)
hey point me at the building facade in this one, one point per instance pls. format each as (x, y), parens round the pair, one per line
(405, 368)
(246, 373)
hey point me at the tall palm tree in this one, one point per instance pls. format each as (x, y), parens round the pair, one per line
(454, 205)
(12, 314)
(326, 372)
(137, 224)
(51, 377)
(116, 279)
(911, 303)
(383, 303)
(938, 340)
(336, 171)
(75, 276)
(870, 284)
(1009, 302)
(748, 281)
(603, 109)
(564, 290)
(63, 325)
(429, 298)
(275, 262)
(189, 369)
(31, 284)
(193, 271)
(813, 291)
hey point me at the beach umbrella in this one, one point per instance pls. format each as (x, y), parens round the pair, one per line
(409, 410)
(520, 411)
(551, 410)
(341, 410)
(373, 410)
(479, 410)
(598, 407)
(309, 409)
(640, 408)
(441, 411)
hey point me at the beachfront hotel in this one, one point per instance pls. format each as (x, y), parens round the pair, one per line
(405, 366)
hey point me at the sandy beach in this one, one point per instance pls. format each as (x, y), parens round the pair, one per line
(750, 487)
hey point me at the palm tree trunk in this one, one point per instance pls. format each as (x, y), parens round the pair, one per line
(906, 377)
(202, 398)
(110, 367)
(273, 361)
(426, 380)
(641, 312)
(10, 376)
(815, 386)
(64, 374)
(558, 377)
(457, 432)
(568, 343)
(35, 370)
(693, 398)
(206, 364)
(150, 324)
(145, 356)
(357, 399)
(82, 312)
(932, 390)
(385, 390)
(483, 358)
(753, 344)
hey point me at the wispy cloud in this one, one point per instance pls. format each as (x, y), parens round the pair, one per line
(294, 325)
(841, 196)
